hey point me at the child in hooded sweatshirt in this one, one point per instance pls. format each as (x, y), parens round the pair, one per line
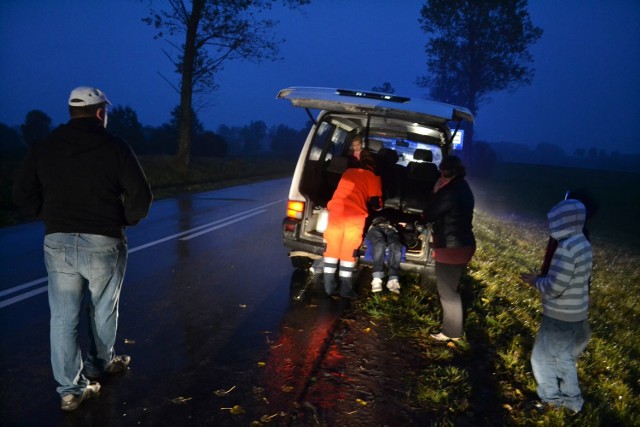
(564, 330)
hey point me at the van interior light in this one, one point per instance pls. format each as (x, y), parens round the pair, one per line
(423, 130)
(295, 209)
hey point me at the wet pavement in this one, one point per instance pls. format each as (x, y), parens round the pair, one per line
(207, 313)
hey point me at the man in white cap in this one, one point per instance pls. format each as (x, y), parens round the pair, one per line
(87, 186)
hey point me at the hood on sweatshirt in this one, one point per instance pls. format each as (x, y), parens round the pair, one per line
(566, 218)
(78, 136)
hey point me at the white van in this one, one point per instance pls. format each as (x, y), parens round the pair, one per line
(408, 138)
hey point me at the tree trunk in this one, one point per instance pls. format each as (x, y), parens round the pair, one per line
(183, 156)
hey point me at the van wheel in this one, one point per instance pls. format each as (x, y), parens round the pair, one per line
(301, 262)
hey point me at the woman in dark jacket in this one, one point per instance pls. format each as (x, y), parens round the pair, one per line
(451, 213)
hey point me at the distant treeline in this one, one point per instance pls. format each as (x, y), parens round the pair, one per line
(246, 140)
(283, 141)
(552, 154)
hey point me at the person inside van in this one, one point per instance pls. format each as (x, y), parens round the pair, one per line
(358, 190)
(357, 145)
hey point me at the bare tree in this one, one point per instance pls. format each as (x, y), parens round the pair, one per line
(214, 31)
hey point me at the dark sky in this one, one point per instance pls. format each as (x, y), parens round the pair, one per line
(585, 91)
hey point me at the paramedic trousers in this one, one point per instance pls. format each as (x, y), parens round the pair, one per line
(343, 236)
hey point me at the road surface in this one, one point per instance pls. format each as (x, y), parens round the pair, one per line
(207, 314)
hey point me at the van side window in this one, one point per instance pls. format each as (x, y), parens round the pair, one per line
(337, 142)
(319, 141)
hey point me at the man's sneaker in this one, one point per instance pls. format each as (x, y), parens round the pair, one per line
(536, 407)
(394, 286)
(118, 364)
(443, 338)
(71, 402)
(376, 285)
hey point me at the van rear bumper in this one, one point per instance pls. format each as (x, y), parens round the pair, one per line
(301, 248)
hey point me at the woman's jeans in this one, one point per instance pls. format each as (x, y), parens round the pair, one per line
(553, 360)
(448, 281)
(76, 263)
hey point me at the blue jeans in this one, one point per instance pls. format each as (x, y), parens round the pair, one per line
(553, 360)
(382, 238)
(76, 263)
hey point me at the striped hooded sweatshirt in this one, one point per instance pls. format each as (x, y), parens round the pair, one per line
(565, 289)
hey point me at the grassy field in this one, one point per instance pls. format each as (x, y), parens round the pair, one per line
(166, 180)
(486, 379)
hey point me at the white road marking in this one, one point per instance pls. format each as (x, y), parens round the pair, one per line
(188, 234)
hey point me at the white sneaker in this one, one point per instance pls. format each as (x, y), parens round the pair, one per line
(442, 337)
(394, 286)
(376, 285)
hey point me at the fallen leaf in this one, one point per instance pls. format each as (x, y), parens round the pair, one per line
(236, 410)
(223, 392)
(267, 418)
(261, 364)
(242, 305)
(362, 402)
(128, 341)
(287, 388)
(451, 344)
(367, 330)
(507, 407)
(181, 400)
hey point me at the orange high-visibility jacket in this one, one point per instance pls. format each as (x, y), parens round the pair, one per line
(348, 212)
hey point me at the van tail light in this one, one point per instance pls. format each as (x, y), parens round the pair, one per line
(295, 209)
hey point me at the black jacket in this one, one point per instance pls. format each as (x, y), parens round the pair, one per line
(451, 211)
(82, 179)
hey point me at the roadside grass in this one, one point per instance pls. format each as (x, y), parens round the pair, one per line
(209, 173)
(486, 378)
(167, 180)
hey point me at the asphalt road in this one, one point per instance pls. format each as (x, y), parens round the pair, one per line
(207, 314)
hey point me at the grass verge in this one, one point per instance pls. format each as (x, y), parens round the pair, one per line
(486, 379)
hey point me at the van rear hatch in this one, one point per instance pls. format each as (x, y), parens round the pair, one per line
(386, 105)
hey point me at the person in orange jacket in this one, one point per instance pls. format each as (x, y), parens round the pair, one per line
(358, 189)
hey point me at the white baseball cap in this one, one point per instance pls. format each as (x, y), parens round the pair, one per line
(83, 96)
